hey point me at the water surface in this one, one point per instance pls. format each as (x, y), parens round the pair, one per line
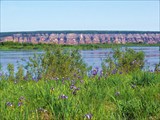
(92, 58)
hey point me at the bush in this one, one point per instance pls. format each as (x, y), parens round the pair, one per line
(125, 61)
(57, 63)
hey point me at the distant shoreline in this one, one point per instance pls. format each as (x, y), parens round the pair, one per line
(41, 46)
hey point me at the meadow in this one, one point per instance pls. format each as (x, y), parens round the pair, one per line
(58, 85)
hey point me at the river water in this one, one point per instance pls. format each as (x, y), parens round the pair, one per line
(92, 58)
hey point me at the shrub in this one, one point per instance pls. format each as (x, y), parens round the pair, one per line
(10, 68)
(57, 63)
(125, 61)
(20, 74)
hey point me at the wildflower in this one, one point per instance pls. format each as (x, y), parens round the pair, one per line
(114, 71)
(21, 98)
(75, 75)
(120, 72)
(151, 71)
(9, 104)
(73, 86)
(34, 78)
(57, 78)
(117, 93)
(20, 104)
(81, 81)
(88, 116)
(63, 97)
(75, 91)
(79, 77)
(94, 72)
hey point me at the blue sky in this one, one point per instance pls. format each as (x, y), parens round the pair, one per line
(79, 15)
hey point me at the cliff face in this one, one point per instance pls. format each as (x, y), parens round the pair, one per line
(73, 38)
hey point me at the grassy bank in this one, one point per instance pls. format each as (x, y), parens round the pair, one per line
(120, 96)
(30, 46)
(57, 86)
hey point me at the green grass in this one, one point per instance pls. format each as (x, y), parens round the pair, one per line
(113, 98)
(30, 46)
(57, 87)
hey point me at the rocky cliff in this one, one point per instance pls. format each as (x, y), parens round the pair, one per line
(81, 37)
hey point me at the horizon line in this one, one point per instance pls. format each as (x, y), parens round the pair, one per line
(80, 31)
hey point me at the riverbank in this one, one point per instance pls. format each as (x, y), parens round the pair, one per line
(58, 85)
(30, 46)
(119, 96)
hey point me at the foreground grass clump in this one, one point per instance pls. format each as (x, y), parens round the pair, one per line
(115, 97)
(56, 86)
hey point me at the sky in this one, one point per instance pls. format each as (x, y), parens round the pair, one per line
(16, 15)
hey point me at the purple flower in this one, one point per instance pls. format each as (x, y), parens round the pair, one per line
(79, 77)
(63, 97)
(151, 71)
(20, 104)
(34, 78)
(57, 78)
(73, 86)
(117, 93)
(9, 104)
(97, 68)
(21, 98)
(94, 72)
(75, 75)
(120, 72)
(88, 116)
(114, 71)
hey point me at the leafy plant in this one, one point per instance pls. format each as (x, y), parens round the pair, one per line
(125, 61)
(57, 63)
(10, 68)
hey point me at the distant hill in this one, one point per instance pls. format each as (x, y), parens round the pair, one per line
(82, 37)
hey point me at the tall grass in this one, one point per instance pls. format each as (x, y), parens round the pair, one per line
(52, 96)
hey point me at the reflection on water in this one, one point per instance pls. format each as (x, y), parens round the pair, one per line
(91, 57)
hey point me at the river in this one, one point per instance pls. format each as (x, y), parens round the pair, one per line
(92, 58)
